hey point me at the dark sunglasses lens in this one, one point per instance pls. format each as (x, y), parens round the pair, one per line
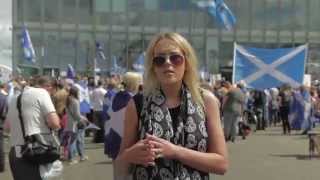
(176, 59)
(159, 61)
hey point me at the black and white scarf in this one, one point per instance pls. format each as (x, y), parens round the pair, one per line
(187, 130)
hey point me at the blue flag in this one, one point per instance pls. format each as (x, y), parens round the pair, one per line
(115, 68)
(99, 51)
(300, 111)
(218, 10)
(138, 65)
(28, 51)
(71, 74)
(263, 68)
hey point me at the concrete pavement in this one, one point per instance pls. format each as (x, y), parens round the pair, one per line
(265, 155)
(269, 155)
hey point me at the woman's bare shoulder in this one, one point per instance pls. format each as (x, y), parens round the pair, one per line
(209, 98)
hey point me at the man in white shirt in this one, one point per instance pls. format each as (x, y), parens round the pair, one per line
(39, 116)
(97, 97)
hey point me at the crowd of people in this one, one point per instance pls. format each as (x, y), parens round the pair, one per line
(167, 124)
(253, 109)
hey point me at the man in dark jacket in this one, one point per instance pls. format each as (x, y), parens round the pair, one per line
(3, 114)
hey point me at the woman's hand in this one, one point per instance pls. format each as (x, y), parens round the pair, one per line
(162, 148)
(141, 153)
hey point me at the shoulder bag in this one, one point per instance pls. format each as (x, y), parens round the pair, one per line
(39, 148)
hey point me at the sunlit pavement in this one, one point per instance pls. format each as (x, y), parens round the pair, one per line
(269, 155)
(264, 155)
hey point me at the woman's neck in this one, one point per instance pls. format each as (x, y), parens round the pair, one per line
(172, 93)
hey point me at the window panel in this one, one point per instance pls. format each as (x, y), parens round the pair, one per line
(119, 16)
(51, 11)
(151, 4)
(243, 14)
(119, 5)
(103, 11)
(258, 16)
(197, 43)
(85, 11)
(33, 10)
(69, 11)
(68, 50)
(299, 15)
(134, 48)
(272, 14)
(84, 52)
(118, 48)
(51, 49)
(314, 15)
(20, 10)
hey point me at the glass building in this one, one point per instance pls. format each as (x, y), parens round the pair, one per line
(65, 31)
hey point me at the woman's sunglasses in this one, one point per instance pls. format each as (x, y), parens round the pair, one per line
(175, 59)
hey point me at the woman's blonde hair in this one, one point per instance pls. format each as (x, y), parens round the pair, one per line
(131, 81)
(190, 77)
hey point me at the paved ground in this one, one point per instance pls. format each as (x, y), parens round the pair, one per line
(269, 155)
(266, 155)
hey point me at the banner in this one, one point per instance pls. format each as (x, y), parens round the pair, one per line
(28, 51)
(218, 10)
(138, 65)
(263, 68)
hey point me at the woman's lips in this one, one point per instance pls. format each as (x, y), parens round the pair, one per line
(168, 72)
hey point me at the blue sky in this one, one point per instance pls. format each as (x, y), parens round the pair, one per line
(5, 33)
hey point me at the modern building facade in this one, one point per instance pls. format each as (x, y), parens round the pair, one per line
(65, 31)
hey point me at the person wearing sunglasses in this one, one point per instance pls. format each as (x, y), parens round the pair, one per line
(177, 133)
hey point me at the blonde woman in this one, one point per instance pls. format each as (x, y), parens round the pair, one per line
(178, 134)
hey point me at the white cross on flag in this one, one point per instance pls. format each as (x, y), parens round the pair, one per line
(263, 68)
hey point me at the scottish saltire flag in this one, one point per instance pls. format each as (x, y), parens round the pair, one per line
(84, 98)
(300, 111)
(218, 10)
(71, 74)
(106, 109)
(138, 65)
(263, 68)
(28, 51)
(99, 51)
(117, 115)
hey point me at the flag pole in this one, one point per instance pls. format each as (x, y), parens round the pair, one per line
(94, 69)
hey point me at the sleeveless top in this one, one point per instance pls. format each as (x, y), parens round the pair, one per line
(183, 125)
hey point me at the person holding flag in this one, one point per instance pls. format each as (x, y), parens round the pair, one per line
(99, 51)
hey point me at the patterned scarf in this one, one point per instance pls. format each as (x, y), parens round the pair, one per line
(187, 130)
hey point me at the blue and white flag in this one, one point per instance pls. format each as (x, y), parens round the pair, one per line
(28, 51)
(117, 115)
(219, 11)
(71, 74)
(263, 68)
(300, 111)
(138, 65)
(99, 51)
(115, 68)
